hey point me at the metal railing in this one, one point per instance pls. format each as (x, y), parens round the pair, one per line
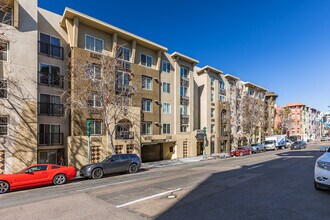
(50, 138)
(184, 119)
(54, 80)
(123, 88)
(184, 81)
(122, 135)
(50, 50)
(184, 100)
(51, 109)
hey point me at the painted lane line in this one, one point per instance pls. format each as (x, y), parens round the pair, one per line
(149, 197)
(254, 167)
(308, 152)
(111, 184)
(287, 158)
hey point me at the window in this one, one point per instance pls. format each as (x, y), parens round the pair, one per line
(3, 50)
(3, 126)
(166, 66)
(146, 105)
(50, 46)
(96, 127)
(184, 72)
(212, 81)
(36, 169)
(221, 84)
(183, 91)
(166, 128)
(124, 53)
(50, 104)
(212, 128)
(212, 97)
(146, 127)
(50, 75)
(94, 71)
(166, 87)
(145, 60)
(146, 83)
(222, 98)
(183, 129)
(212, 112)
(6, 15)
(183, 110)
(3, 89)
(93, 101)
(93, 44)
(166, 108)
(119, 149)
(49, 134)
(250, 92)
(55, 167)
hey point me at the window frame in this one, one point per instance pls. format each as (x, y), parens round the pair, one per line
(168, 86)
(4, 89)
(146, 63)
(168, 104)
(167, 66)
(94, 50)
(94, 65)
(143, 105)
(5, 125)
(93, 133)
(6, 52)
(49, 72)
(144, 123)
(166, 128)
(143, 82)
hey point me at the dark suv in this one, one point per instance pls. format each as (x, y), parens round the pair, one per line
(112, 164)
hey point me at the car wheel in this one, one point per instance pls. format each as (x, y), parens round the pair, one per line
(4, 187)
(97, 173)
(133, 168)
(241, 154)
(316, 186)
(59, 179)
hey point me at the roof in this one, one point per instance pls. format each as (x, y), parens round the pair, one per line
(209, 68)
(98, 24)
(294, 104)
(184, 57)
(271, 94)
(254, 85)
(231, 76)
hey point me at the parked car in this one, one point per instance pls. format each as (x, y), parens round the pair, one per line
(288, 144)
(322, 171)
(270, 145)
(112, 164)
(233, 152)
(37, 175)
(298, 145)
(256, 148)
(243, 151)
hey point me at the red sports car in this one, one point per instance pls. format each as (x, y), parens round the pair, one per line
(241, 151)
(37, 175)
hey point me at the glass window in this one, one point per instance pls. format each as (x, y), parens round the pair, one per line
(3, 50)
(36, 169)
(166, 66)
(183, 129)
(166, 87)
(96, 127)
(146, 128)
(222, 98)
(93, 101)
(212, 81)
(116, 157)
(166, 128)
(212, 112)
(50, 45)
(166, 108)
(93, 44)
(183, 110)
(146, 83)
(212, 128)
(145, 60)
(124, 53)
(146, 105)
(212, 97)
(221, 84)
(6, 15)
(183, 91)
(3, 126)
(3, 89)
(94, 71)
(184, 72)
(50, 75)
(124, 157)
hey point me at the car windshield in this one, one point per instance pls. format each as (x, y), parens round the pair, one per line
(269, 142)
(253, 145)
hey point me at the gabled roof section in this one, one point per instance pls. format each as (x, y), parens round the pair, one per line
(254, 85)
(231, 77)
(184, 57)
(100, 25)
(271, 94)
(209, 68)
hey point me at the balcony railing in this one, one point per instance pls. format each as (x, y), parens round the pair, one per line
(50, 109)
(51, 50)
(124, 65)
(184, 119)
(50, 138)
(54, 80)
(123, 88)
(222, 91)
(122, 135)
(184, 81)
(184, 100)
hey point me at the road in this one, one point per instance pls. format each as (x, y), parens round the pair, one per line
(271, 185)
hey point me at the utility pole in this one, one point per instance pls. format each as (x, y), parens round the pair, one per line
(88, 123)
(204, 144)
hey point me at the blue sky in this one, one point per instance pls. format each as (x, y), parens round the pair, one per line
(282, 45)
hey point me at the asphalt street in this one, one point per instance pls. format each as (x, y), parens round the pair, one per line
(271, 185)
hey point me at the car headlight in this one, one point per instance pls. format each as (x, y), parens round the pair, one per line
(323, 164)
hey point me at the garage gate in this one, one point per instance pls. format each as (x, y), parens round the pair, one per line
(151, 153)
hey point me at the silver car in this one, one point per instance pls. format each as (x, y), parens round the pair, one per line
(256, 148)
(112, 164)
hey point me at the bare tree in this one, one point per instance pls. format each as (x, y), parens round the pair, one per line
(285, 120)
(104, 88)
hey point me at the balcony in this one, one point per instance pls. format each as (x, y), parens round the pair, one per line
(184, 81)
(222, 91)
(124, 65)
(124, 135)
(50, 138)
(184, 120)
(50, 109)
(184, 100)
(53, 80)
(51, 50)
(123, 88)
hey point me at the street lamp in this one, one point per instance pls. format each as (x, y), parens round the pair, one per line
(204, 144)
(88, 123)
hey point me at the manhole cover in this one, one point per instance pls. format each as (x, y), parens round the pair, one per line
(171, 196)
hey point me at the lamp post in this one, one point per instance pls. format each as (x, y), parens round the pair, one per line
(204, 144)
(88, 123)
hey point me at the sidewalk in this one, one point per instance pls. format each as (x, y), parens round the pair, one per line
(165, 163)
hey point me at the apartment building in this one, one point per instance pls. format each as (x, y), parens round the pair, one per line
(173, 99)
